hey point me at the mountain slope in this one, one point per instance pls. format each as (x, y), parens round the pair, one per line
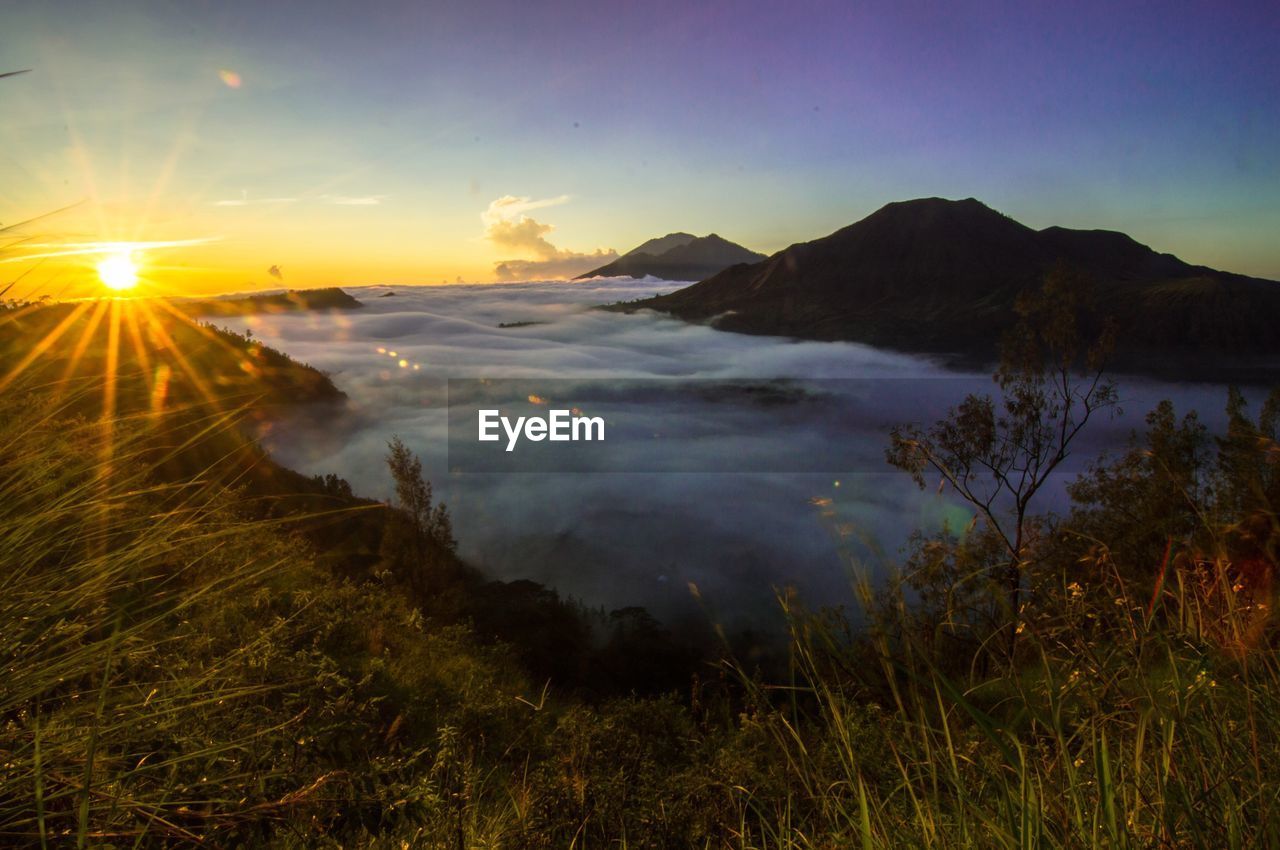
(661, 244)
(935, 275)
(328, 298)
(678, 256)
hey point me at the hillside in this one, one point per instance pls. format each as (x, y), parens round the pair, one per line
(203, 648)
(677, 256)
(197, 655)
(328, 298)
(161, 359)
(941, 276)
(197, 399)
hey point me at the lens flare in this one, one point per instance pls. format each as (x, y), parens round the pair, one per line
(118, 272)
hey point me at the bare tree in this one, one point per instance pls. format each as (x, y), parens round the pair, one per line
(998, 455)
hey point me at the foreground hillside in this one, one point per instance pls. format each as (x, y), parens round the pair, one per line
(940, 276)
(195, 395)
(196, 654)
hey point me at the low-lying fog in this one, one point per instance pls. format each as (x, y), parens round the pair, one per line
(632, 538)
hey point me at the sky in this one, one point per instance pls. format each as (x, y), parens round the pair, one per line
(238, 145)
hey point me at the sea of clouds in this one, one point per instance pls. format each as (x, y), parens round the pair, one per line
(643, 537)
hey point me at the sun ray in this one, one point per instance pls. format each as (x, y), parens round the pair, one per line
(171, 346)
(198, 327)
(43, 345)
(79, 152)
(135, 337)
(107, 424)
(182, 140)
(86, 337)
(109, 390)
(21, 312)
(110, 374)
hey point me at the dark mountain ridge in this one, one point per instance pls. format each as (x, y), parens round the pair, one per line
(940, 276)
(661, 244)
(677, 256)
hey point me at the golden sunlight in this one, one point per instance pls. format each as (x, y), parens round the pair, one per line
(118, 271)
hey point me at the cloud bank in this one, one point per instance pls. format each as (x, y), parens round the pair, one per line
(631, 538)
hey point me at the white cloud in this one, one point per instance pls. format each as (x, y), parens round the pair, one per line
(43, 250)
(244, 201)
(523, 236)
(354, 200)
(535, 257)
(512, 208)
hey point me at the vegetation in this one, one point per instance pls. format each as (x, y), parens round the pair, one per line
(201, 648)
(330, 298)
(999, 458)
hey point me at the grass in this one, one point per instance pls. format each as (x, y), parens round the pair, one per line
(182, 668)
(1155, 723)
(97, 591)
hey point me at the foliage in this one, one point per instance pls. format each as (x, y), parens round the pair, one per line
(202, 648)
(999, 457)
(417, 545)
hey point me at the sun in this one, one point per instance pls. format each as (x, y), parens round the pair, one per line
(118, 271)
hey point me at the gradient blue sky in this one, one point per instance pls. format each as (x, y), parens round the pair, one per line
(366, 141)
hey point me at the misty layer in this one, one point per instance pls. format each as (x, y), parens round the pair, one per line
(637, 537)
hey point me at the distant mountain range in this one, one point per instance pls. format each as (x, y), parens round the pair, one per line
(677, 256)
(934, 275)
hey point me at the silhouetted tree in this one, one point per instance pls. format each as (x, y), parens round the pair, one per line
(1134, 503)
(413, 492)
(442, 528)
(1248, 481)
(335, 486)
(998, 456)
(418, 539)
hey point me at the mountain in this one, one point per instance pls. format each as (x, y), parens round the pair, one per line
(677, 256)
(328, 298)
(661, 244)
(941, 276)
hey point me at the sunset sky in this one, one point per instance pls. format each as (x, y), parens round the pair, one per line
(424, 142)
